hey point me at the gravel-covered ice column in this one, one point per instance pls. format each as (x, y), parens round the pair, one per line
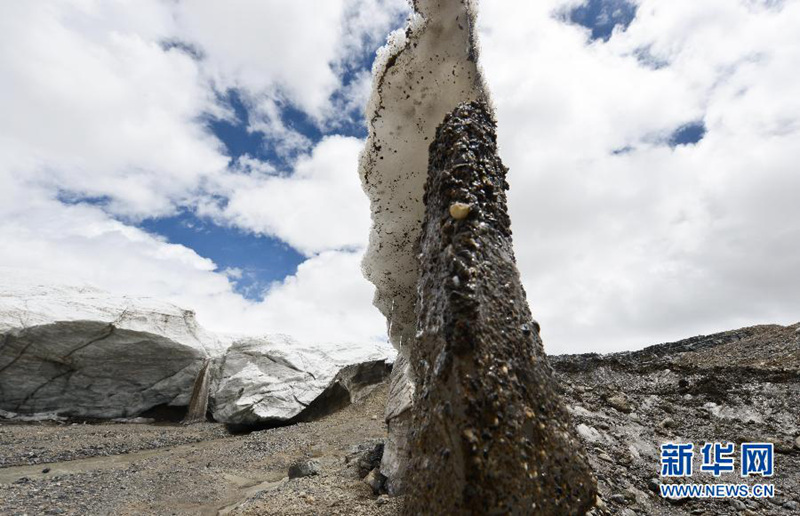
(422, 73)
(489, 433)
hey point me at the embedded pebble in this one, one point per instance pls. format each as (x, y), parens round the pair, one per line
(459, 210)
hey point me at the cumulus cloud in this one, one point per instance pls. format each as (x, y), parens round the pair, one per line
(103, 100)
(92, 105)
(326, 300)
(279, 52)
(622, 240)
(319, 207)
(330, 289)
(104, 123)
(246, 45)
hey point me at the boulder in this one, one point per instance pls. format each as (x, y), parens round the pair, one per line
(364, 458)
(81, 352)
(272, 379)
(304, 468)
(375, 480)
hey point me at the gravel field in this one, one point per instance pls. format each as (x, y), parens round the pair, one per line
(149, 469)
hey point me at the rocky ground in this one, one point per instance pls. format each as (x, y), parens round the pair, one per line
(202, 469)
(737, 386)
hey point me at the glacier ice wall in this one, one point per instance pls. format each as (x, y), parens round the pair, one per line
(422, 74)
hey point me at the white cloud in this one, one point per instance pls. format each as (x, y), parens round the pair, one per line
(264, 45)
(621, 251)
(96, 105)
(234, 273)
(326, 300)
(84, 242)
(93, 105)
(319, 207)
(278, 51)
(616, 250)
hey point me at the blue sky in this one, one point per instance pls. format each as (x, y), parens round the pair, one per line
(601, 17)
(263, 259)
(257, 260)
(253, 261)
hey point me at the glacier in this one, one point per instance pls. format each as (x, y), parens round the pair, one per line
(72, 350)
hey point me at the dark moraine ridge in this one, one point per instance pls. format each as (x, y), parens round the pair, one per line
(489, 433)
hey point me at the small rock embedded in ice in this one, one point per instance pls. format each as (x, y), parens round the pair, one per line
(459, 210)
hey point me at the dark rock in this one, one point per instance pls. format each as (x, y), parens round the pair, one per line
(375, 480)
(618, 498)
(738, 505)
(620, 402)
(371, 460)
(365, 458)
(304, 468)
(783, 446)
(667, 423)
